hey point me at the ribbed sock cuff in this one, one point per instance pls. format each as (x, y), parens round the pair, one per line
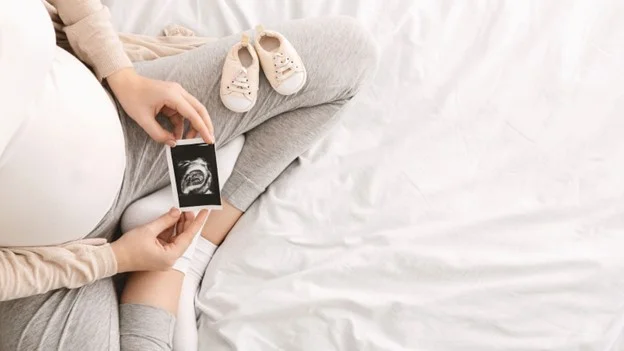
(204, 250)
(182, 264)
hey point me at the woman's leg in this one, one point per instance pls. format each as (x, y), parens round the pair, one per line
(258, 160)
(90, 318)
(219, 223)
(79, 319)
(147, 312)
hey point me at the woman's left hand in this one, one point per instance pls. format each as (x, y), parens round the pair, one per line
(143, 98)
(157, 245)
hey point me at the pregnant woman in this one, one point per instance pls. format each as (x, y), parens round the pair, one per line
(67, 178)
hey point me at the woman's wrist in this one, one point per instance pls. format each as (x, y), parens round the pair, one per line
(123, 258)
(122, 78)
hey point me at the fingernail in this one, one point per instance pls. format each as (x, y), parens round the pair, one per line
(174, 212)
(212, 138)
(171, 143)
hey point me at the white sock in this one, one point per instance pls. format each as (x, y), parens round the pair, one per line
(202, 256)
(182, 263)
(185, 332)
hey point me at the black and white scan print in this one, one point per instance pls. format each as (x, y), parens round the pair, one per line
(194, 167)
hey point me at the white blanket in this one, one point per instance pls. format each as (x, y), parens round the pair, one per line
(471, 199)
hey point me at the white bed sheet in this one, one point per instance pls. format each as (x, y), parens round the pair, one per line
(471, 199)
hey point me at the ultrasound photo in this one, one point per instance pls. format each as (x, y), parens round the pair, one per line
(193, 172)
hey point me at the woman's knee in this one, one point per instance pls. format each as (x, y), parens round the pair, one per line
(361, 50)
(357, 37)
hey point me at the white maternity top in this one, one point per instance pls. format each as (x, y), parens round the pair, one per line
(62, 154)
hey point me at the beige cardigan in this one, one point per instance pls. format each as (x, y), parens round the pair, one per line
(83, 28)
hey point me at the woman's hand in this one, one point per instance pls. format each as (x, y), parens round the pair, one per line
(154, 246)
(143, 98)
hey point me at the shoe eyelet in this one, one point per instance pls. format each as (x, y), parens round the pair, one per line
(228, 87)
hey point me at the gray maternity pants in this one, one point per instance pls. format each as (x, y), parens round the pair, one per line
(338, 55)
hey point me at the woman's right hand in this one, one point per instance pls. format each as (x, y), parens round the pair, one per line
(143, 98)
(153, 246)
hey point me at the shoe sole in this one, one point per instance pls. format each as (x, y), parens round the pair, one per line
(239, 111)
(305, 80)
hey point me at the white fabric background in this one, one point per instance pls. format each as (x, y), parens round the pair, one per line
(471, 199)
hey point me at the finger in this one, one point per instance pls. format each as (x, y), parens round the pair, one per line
(178, 126)
(179, 226)
(184, 107)
(169, 112)
(167, 234)
(176, 120)
(189, 216)
(163, 222)
(192, 133)
(203, 113)
(182, 241)
(156, 131)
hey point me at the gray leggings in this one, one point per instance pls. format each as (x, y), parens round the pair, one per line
(339, 56)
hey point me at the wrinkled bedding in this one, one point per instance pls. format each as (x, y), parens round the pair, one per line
(471, 199)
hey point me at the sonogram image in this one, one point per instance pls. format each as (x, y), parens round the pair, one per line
(194, 174)
(196, 177)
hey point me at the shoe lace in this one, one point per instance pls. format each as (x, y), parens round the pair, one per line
(284, 66)
(240, 82)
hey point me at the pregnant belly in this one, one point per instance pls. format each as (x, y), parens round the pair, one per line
(62, 170)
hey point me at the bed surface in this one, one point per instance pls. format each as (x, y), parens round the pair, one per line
(471, 199)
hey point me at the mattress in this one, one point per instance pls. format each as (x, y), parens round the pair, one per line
(471, 198)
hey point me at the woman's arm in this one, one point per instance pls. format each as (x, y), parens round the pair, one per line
(151, 247)
(92, 36)
(94, 41)
(36, 270)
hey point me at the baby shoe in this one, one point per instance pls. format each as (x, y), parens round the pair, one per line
(280, 62)
(239, 81)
